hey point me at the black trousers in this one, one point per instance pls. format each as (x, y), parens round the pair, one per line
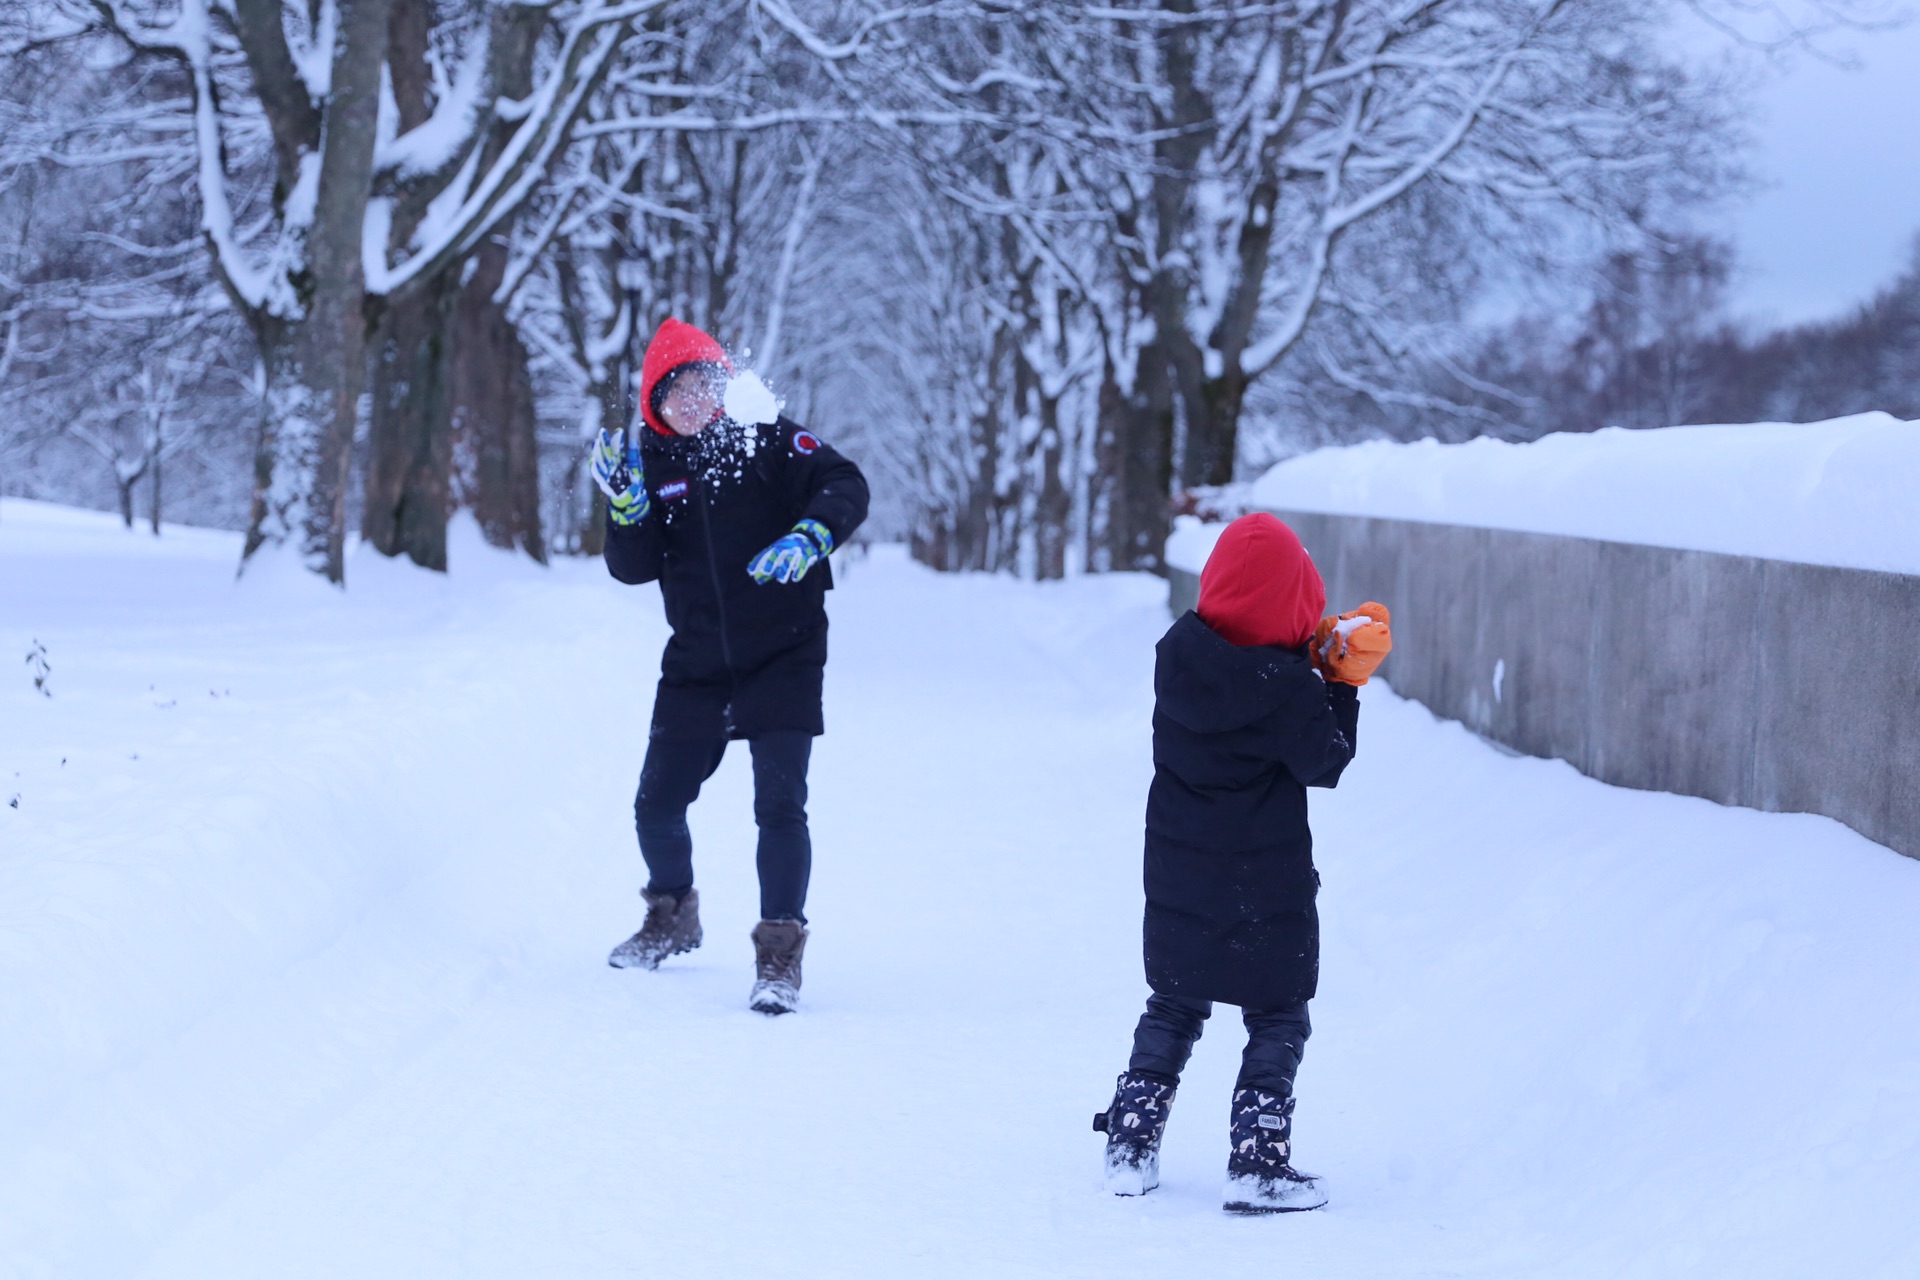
(1275, 1040)
(670, 781)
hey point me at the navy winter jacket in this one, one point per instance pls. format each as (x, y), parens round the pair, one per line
(746, 657)
(1239, 734)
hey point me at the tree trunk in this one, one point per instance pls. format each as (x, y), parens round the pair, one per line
(410, 449)
(1142, 431)
(593, 534)
(973, 531)
(613, 417)
(1053, 514)
(1189, 127)
(1213, 425)
(408, 491)
(495, 444)
(314, 361)
(991, 549)
(154, 463)
(306, 435)
(1105, 515)
(453, 414)
(931, 541)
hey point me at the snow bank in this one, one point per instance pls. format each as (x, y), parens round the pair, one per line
(1844, 492)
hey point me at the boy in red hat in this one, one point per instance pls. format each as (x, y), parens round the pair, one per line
(1254, 702)
(735, 522)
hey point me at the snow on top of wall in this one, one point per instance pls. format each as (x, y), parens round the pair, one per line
(1844, 492)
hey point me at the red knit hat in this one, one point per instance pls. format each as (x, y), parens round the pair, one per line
(675, 345)
(1260, 586)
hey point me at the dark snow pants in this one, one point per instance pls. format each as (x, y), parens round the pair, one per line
(1275, 1040)
(670, 781)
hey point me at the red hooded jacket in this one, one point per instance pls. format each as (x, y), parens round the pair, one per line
(1260, 586)
(674, 345)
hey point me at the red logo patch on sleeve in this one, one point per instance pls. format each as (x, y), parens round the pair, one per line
(805, 442)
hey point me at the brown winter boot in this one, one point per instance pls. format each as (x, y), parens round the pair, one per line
(672, 926)
(777, 945)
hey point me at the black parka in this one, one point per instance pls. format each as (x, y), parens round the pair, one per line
(1239, 734)
(745, 658)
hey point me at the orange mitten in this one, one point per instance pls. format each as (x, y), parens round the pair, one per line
(1354, 643)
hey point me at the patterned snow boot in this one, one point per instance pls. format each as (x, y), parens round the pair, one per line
(672, 926)
(1259, 1179)
(1133, 1123)
(777, 947)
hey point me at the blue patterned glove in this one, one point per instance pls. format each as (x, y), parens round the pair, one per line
(789, 558)
(619, 476)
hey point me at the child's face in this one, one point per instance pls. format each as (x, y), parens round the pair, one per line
(692, 401)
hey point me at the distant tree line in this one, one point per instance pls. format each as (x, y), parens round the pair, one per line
(1657, 350)
(1655, 347)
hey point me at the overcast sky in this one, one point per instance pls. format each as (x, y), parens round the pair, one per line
(1840, 154)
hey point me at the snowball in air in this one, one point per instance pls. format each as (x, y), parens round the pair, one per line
(751, 401)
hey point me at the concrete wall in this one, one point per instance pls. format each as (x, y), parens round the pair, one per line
(1785, 687)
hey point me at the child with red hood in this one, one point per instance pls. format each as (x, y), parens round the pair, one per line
(1255, 701)
(735, 521)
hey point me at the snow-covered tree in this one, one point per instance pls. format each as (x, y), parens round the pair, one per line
(122, 370)
(347, 210)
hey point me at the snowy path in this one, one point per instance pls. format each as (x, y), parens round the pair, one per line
(315, 985)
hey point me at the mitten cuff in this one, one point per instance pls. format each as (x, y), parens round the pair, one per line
(630, 513)
(817, 533)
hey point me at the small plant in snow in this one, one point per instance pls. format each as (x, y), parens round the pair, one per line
(37, 661)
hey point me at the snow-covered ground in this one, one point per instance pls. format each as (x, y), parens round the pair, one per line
(1841, 492)
(305, 904)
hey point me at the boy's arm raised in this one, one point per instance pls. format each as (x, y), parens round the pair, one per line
(635, 539)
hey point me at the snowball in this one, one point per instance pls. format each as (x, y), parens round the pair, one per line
(750, 401)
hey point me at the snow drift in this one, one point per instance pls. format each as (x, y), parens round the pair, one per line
(1844, 492)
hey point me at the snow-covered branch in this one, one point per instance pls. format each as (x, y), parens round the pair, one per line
(587, 47)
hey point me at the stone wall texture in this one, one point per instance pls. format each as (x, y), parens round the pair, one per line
(1785, 687)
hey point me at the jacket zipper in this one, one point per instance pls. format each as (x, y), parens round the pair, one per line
(713, 573)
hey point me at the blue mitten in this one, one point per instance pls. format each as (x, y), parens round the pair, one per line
(619, 476)
(789, 558)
